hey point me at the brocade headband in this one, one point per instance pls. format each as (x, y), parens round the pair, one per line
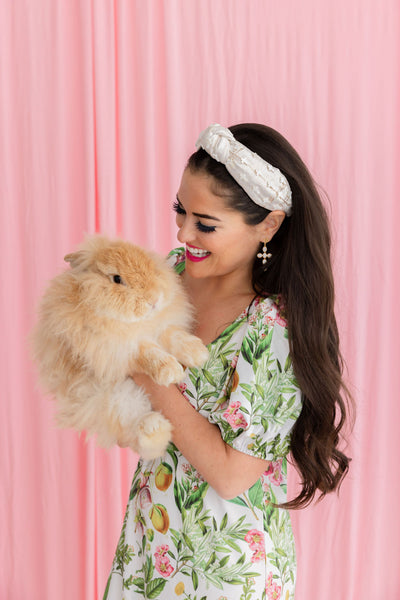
(262, 182)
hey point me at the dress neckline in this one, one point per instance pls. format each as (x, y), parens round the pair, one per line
(246, 312)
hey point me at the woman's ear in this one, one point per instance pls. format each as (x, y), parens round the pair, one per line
(271, 224)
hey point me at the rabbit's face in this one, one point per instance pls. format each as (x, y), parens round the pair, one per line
(121, 281)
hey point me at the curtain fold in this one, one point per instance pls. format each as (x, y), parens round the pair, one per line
(101, 103)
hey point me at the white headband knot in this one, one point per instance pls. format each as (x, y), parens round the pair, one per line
(262, 182)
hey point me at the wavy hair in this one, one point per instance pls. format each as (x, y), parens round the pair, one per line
(300, 272)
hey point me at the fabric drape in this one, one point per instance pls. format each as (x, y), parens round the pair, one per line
(101, 103)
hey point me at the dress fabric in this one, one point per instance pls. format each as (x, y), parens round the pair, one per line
(179, 538)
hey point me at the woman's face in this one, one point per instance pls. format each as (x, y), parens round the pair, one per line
(217, 240)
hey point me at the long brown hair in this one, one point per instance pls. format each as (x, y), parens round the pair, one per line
(300, 272)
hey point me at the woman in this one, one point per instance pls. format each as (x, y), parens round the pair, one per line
(209, 521)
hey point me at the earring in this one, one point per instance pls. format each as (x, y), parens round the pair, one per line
(264, 254)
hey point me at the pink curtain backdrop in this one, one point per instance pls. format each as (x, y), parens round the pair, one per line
(100, 105)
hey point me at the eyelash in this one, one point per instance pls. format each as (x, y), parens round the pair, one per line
(178, 208)
(203, 228)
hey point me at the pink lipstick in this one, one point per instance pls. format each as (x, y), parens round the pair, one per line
(194, 257)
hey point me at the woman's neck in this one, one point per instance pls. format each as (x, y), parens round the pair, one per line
(218, 288)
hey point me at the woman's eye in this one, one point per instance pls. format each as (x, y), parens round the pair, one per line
(204, 228)
(178, 208)
(117, 279)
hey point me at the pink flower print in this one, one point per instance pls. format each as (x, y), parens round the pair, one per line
(272, 589)
(163, 565)
(253, 319)
(274, 472)
(258, 554)
(280, 311)
(268, 319)
(281, 321)
(161, 550)
(182, 388)
(234, 418)
(255, 539)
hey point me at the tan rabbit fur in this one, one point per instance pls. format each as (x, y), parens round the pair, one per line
(118, 310)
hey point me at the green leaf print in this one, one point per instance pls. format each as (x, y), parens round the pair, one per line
(155, 587)
(223, 561)
(172, 451)
(197, 495)
(260, 391)
(248, 589)
(128, 582)
(288, 363)
(263, 346)
(177, 494)
(224, 361)
(195, 579)
(247, 390)
(148, 569)
(188, 542)
(233, 545)
(224, 521)
(139, 582)
(229, 331)
(209, 377)
(247, 350)
(256, 495)
(134, 488)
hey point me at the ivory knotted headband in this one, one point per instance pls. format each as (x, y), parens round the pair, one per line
(262, 182)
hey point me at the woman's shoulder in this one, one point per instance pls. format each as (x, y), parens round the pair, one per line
(176, 259)
(267, 310)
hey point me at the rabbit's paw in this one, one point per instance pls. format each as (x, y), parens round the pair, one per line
(167, 371)
(153, 435)
(196, 352)
(188, 349)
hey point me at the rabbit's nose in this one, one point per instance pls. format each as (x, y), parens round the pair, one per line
(156, 301)
(151, 305)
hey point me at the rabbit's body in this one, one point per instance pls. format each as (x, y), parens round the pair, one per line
(118, 310)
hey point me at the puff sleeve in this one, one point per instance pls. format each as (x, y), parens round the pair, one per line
(263, 399)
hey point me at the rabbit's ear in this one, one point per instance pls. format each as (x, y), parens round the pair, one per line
(77, 260)
(83, 257)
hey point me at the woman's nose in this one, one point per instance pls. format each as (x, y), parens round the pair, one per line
(185, 232)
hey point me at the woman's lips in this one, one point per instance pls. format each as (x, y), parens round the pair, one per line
(196, 254)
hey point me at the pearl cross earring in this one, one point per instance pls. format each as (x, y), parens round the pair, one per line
(264, 254)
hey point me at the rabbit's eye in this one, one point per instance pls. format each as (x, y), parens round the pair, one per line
(117, 279)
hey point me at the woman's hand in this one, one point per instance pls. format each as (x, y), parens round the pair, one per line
(227, 470)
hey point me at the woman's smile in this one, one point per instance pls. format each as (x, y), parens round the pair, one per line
(196, 254)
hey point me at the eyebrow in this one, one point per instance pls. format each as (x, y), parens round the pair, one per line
(206, 217)
(201, 215)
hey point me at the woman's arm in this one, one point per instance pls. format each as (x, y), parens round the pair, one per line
(227, 470)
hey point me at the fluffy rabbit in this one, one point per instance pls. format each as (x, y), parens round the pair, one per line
(119, 309)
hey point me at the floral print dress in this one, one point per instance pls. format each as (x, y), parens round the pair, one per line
(179, 538)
